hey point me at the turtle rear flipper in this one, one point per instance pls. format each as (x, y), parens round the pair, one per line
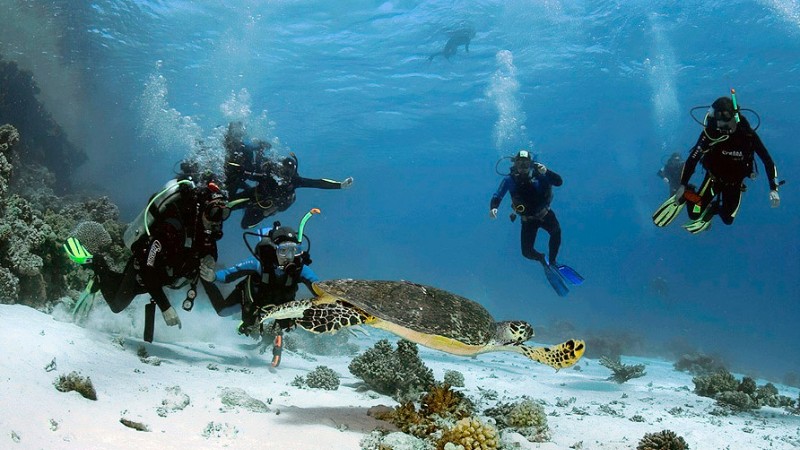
(558, 356)
(331, 317)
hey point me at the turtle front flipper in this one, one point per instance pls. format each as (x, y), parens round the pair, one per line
(288, 310)
(558, 356)
(331, 317)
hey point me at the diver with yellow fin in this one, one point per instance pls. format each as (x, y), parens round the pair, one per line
(726, 149)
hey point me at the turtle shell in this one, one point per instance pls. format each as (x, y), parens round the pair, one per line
(424, 309)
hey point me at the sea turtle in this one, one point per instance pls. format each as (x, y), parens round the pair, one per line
(423, 314)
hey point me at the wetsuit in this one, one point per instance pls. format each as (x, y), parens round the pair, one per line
(259, 288)
(274, 193)
(531, 197)
(170, 254)
(672, 172)
(728, 160)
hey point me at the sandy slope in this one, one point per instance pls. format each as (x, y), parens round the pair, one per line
(583, 407)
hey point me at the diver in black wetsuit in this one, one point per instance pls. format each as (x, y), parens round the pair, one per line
(671, 172)
(531, 194)
(725, 149)
(275, 180)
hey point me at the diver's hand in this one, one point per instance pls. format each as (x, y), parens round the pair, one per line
(347, 183)
(666, 180)
(774, 199)
(541, 168)
(679, 193)
(493, 213)
(207, 269)
(171, 317)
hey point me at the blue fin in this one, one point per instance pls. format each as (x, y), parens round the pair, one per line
(555, 280)
(570, 274)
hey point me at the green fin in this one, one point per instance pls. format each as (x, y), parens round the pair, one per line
(85, 302)
(77, 252)
(700, 224)
(668, 211)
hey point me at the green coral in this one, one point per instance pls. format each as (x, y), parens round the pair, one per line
(663, 440)
(399, 373)
(454, 378)
(525, 417)
(323, 378)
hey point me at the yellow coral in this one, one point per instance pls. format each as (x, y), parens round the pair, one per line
(471, 434)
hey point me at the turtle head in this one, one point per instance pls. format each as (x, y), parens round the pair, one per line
(513, 332)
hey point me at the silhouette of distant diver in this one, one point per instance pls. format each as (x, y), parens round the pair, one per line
(461, 36)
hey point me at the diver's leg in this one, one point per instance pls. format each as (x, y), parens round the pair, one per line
(527, 238)
(731, 196)
(119, 289)
(706, 194)
(551, 225)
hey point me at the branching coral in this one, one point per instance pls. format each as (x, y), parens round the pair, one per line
(622, 372)
(400, 374)
(663, 440)
(454, 378)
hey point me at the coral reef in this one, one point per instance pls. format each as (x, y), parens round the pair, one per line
(469, 433)
(663, 440)
(8, 137)
(320, 378)
(33, 268)
(739, 395)
(75, 382)
(399, 373)
(698, 364)
(233, 398)
(525, 417)
(42, 141)
(439, 409)
(613, 344)
(454, 378)
(622, 372)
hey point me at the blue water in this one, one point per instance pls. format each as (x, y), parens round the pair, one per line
(600, 90)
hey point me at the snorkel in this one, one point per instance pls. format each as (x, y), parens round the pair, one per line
(303, 223)
(735, 105)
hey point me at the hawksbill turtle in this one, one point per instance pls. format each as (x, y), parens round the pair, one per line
(426, 315)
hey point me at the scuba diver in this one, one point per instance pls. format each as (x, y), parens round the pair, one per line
(671, 172)
(174, 243)
(276, 180)
(531, 187)
(458, 37)
(725, 149)
(271, 277)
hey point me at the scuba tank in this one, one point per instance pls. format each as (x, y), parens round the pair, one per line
(158, 204)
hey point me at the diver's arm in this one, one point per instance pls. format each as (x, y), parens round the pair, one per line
(150, 272)
(322, 183)
(247, 267)
(497, 198)
(694, 157)
(554, 178)
(308, 277)
(769, 165)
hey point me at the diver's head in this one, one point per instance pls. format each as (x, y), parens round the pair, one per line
(675, 156)
(522, 163)
(286, 244)
(289, 166)
(723, 115)
(214, 206)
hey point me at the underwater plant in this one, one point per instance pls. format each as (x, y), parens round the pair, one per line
(622, 372)
(399, 373)
(663, 440)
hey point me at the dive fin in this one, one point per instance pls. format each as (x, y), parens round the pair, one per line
(77, 252)
(703, 222)
(555, 280)
(668, 211)
(569, 274)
